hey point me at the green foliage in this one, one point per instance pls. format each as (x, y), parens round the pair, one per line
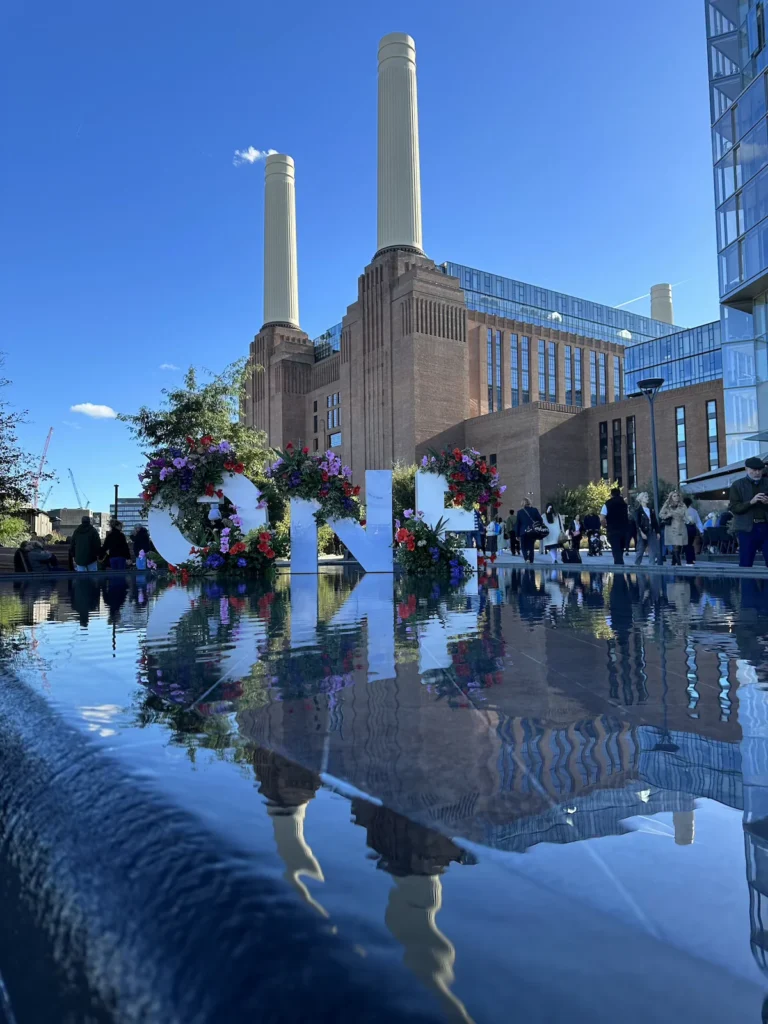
(325, 539)
(195, 410)
(581, 501)
(322, 478)
(18, 468)
(424, 550)
(403, 488)
(13, 531)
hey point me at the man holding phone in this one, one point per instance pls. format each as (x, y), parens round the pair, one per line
(748, 500)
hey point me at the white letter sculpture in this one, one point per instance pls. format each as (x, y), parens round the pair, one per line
(431, 489)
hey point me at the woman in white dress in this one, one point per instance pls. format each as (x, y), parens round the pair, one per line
(554, 524)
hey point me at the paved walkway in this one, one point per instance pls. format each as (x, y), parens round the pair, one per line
(604, 563)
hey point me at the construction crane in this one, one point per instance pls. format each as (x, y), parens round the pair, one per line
(77, 493)
(41, 467)
(47, 495)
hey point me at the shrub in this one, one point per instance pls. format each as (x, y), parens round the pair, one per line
(403, 488)
(13, 531)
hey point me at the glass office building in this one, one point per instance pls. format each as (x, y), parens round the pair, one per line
(737, 61)
(692, 356)
(503, 296)
(328, 343)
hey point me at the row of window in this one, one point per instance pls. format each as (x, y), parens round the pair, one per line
(332, 417)
(631, 443)
(519, 371)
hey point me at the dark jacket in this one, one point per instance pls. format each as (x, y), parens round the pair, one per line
(115, 545)
(591, 523)
(85, 544)
(739, 497)
(141, 541)
(617, 515)
(20, 562)
(526, 517)
(646, 522)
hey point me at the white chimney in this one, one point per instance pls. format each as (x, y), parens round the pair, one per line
(661, 303)
(281, 276)
(399, 212)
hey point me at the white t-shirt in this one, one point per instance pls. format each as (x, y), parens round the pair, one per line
(604, 511)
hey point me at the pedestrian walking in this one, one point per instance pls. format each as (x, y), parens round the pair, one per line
(530, 528)
(748, 502)
(555, 532)
(672, 515)
(140, 540)
(615, 512)
(492, 535)
(115, 548)
(694, 528)
(480, 532)
(647, 530)
(576, 532)
(510, 531)
(592, 530)
(85, 546)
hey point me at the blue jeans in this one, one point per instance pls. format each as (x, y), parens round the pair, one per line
(118, 564)
(750, 543)
(93, 567)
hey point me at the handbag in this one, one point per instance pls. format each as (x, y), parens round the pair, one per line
(536, 530)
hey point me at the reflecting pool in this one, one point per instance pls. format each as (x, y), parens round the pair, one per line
(545, 796)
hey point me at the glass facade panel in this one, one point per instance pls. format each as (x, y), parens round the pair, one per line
(723, 136)
(752, 153)
(593, 377)
(514, 370)
(688, 357)
(577, 368)
(334, 441)
(750, 108)
(753, 207)
(714, 457)
(725, 181)
(552, 371)
(499, 399)
(602, 388)
(542, 372)
(328, 343)
(741, 410)
(631, 453)
(490, 370)
(618, 472)
(568, 375)
(682, 453)
(604, 451)
(525, 357)
(727, 223)
(618, 388)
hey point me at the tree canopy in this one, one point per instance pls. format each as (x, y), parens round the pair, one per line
(18, 468)
(195, 410)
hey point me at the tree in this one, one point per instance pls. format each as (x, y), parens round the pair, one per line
(18, 468)
(403, 488)
(198, 409)
(583, 500)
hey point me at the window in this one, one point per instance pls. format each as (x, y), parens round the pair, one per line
(601, 377)
(712, 439)
(328, 401)
(631, 454)
(315, 409)
(682, 456)
(315, 445)
(492, 459)
(334, 441)
(618, 389)
(604, 450)
(514, 371)
(552, 371)
(593, 377)
(333, 416)
(618, 474)
(579, 396)
(526, 358)
(314, 423)
(568, 375)
(490, 370)
(499, 402)
(542, 372)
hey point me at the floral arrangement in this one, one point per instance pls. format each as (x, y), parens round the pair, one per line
(425, 550)
(232, 554)
(471, 481)
(179, 477)
(298, 474)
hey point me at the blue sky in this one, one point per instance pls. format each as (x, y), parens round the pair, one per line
(562, 144)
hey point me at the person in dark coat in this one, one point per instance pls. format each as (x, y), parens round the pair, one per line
(85, 546)
(527, 518)
(748, 501)
(115, 548)
(140, 540)
(616, 515)
(21, 558)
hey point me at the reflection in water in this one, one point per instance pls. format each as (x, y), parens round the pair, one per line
(542, 708)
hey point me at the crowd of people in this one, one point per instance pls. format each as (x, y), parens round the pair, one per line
(86, 550)
(677, 532)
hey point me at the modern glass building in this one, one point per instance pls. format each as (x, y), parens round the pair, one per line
(328, 343)
(692, 356)
(737, 60)
(503, 296)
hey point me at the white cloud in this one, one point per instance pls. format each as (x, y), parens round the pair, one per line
(251, 155)
(96, 412)
(168, 366)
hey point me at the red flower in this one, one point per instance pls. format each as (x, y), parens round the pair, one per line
(236, 549)
(219, 493)
(264, 536)
(324, 477)
(229, 466)
(457, 453)
(347, 489)
(239, 467)
(305, 451)
(193, 551)
(411, 542)
(206, 440)
(401, 535)
(481, 561)
(270, 553)
(483, 467)
(356, 490)
(362, 522)
(289, 446)
(264, 547)
(172, 568)
(190, 440)
(209, 490)
(403, 611)
(494, 471)
(493, 558)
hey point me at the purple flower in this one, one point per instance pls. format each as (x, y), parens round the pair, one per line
(502, 488)
(225, 530)
(236, 521)
(408, 513)
(425, 462)
(214, 561)
(166, 472)
(225, 446)
(179, 463)
(467, 460)
(242, 563)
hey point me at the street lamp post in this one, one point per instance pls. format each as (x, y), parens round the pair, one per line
(650, 387)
